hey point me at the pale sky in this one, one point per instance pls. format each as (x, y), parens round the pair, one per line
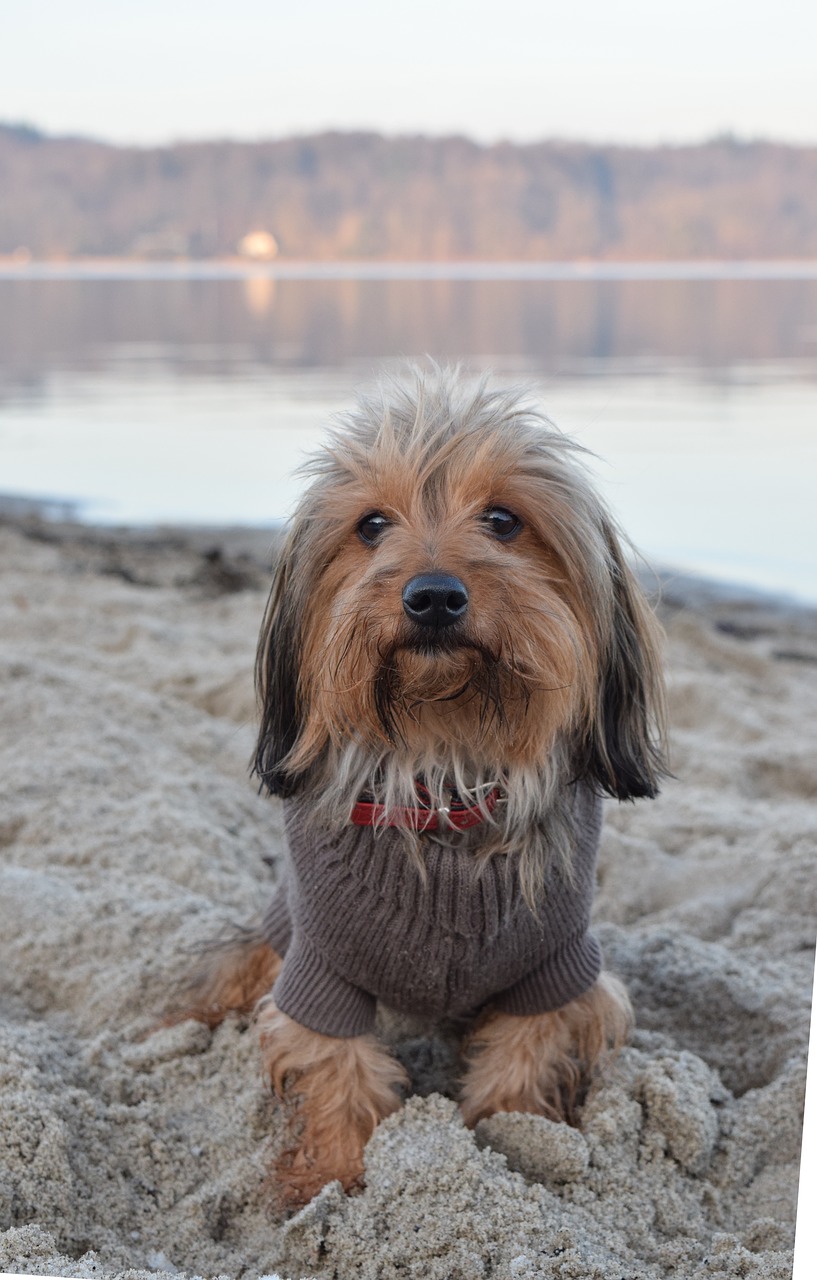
(150, 71)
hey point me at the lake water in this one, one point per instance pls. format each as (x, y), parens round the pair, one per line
(146, 400)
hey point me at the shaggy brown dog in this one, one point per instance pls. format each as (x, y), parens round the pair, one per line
(455, 663)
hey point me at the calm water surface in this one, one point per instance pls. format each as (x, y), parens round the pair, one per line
(194, 400)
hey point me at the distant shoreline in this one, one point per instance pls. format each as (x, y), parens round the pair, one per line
(251, 544)
(124, 269)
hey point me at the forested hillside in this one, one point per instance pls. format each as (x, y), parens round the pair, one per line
(360, 195)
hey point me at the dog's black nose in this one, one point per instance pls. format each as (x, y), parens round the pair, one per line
(435, 599)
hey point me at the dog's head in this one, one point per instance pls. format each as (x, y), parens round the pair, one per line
(452, 595)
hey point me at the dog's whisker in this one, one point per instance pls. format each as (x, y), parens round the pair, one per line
(335, 688)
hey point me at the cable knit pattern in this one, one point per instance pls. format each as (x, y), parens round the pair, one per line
(356, 923)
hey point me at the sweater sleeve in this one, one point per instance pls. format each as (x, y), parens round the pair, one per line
(276, 925)
(311, 992)
(562, 977)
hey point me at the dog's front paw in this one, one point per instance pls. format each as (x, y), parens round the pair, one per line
(342, 1087)
(302, 1171)
(542, 1063)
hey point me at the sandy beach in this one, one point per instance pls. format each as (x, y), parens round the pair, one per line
(130, 831)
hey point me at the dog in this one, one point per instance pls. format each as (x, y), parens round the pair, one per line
(456, 663)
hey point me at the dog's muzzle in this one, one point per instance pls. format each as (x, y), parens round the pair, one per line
(435, 600)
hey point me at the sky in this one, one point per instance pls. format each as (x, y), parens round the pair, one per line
(637, 71)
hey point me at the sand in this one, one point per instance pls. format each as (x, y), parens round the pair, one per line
(130, 831)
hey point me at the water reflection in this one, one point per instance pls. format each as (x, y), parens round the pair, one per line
(546, 327)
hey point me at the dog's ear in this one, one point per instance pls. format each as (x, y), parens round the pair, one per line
(624, 752)
(276, 677)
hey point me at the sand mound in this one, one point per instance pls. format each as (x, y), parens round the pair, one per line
(129, 831)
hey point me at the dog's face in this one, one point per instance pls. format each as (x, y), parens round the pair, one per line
(452, 592)
(446, 614)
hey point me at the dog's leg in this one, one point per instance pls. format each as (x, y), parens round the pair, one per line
(343, 1089)
(540, 1063)
(230, 977)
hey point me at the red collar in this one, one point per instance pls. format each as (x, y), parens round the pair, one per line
(367, 813)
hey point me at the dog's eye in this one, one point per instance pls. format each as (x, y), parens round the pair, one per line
(372, 526)
(501, 524)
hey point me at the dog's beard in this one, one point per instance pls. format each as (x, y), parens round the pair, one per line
(452, 701)
(433, 686)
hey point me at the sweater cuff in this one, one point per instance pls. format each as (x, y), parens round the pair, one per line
(276, 926)
(565, 975)
(313, 994)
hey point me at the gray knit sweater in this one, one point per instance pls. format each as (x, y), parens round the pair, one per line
(356, 923)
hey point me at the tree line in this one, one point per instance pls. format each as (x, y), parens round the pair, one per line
(365, 196)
